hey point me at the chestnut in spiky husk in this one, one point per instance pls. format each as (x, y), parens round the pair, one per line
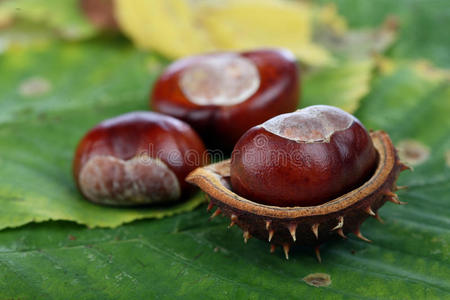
(137, 158)
(303, 158)
(329, 143)
(222, 95)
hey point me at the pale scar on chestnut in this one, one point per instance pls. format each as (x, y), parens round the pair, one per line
(309, 125)
(127, 160)
(220, 80)
(141, 180)
(221, 95)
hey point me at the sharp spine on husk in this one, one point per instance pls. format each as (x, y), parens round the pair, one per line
(247, 236)
(234, 219)
(268, 222)
(315, 230)
(370, 211)
(340, 231)
(404, 167)
(379, 219)
(317, 251)
(340, 223)
(292, 229)
(359, 235)
(216, 213)
(400, 187)
(286, 248)
(393, 197)
(272, 248)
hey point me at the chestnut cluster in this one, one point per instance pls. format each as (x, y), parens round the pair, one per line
(295, 176)
(142, 158)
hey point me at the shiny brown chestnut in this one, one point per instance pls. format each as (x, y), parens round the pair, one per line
(303, 158)
(137, 158)
(222, 95)
(301, 136)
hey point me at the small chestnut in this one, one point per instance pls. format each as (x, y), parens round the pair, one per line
(137, 158)
(303, 158)
(222, 95)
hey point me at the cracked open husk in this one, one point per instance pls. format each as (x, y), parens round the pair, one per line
(312, 225)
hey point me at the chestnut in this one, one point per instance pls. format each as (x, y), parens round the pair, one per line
(222, 95)
(303, 158)
(137, 158)
(304, 178)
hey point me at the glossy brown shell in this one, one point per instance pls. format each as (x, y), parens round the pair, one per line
(296, 173)
(137, 137)
(313, 225)
(222, 126)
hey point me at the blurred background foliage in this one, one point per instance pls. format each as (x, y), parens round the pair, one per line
(66, 65)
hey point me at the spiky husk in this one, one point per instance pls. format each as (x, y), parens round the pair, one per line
(314, 225)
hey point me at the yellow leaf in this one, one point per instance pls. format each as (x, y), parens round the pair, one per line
(167, 26)
(241, 25)
(421, 67)
(178, 28)
(342, 85)
(329, 17)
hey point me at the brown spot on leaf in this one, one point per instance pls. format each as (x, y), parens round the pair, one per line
(413, 152)
(72, 238)
(318, 279)
(34, 86)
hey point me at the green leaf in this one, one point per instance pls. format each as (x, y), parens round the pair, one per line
(342, 86)
(65, 17)
(55, 92)
(346, 82)
(190, 256)
(51, 97)
(187, 255)
(423, 25)
(411, 104)
(23, 34)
